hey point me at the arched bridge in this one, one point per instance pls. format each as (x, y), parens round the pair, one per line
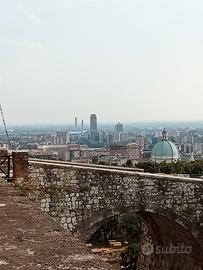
(83, 197)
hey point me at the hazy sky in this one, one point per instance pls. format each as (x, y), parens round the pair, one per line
(126, 60)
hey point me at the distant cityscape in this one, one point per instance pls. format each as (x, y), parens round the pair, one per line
(106, 144)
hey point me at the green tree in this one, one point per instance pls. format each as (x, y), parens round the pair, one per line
(130, 226)
(126, 227)
(129, 163)
(194, 168)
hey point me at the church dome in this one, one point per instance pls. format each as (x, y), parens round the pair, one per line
(165, 151)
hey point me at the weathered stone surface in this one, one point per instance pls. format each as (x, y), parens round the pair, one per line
(82, 198)
(31, 240)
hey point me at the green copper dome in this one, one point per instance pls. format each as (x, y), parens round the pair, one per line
(165, 150)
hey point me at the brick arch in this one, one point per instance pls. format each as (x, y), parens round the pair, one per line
(89, 226)
(165, 231)
(162, 230)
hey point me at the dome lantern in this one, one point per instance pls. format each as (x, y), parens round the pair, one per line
(164, 134)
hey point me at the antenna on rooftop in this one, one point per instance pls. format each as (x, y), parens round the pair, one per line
(5, 128)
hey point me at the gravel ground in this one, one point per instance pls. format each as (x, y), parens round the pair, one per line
(31, 240)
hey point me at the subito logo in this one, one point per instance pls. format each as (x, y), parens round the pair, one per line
(147, 249)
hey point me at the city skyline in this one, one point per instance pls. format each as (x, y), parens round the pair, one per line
(145, 124)
(133, 61)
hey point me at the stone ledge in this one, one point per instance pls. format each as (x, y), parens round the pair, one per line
(152, 176)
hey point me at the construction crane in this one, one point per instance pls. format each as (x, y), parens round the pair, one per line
(5, 128)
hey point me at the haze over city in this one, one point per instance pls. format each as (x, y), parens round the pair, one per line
(124, 60)
(101, 134)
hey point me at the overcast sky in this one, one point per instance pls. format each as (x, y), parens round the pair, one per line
(126, 60)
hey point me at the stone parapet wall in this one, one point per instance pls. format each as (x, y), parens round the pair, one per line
(66, 189)
(87, 165)
(83, 198)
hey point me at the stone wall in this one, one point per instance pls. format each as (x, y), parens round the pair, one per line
(83, 198)
(161, 255)
(96, 189)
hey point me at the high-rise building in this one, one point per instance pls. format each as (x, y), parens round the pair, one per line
(94, 135)
(76, 122)
(93, 122)
(140, 141)
(118, 128)
(123, 136)
(60, 138)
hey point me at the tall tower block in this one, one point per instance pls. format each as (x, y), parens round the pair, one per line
(76, 122)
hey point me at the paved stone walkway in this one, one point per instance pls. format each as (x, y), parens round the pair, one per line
(31, 240)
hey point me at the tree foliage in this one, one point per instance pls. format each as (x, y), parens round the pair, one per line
(181, 167)
(129, 163)
(130, 225)
(126, 227)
